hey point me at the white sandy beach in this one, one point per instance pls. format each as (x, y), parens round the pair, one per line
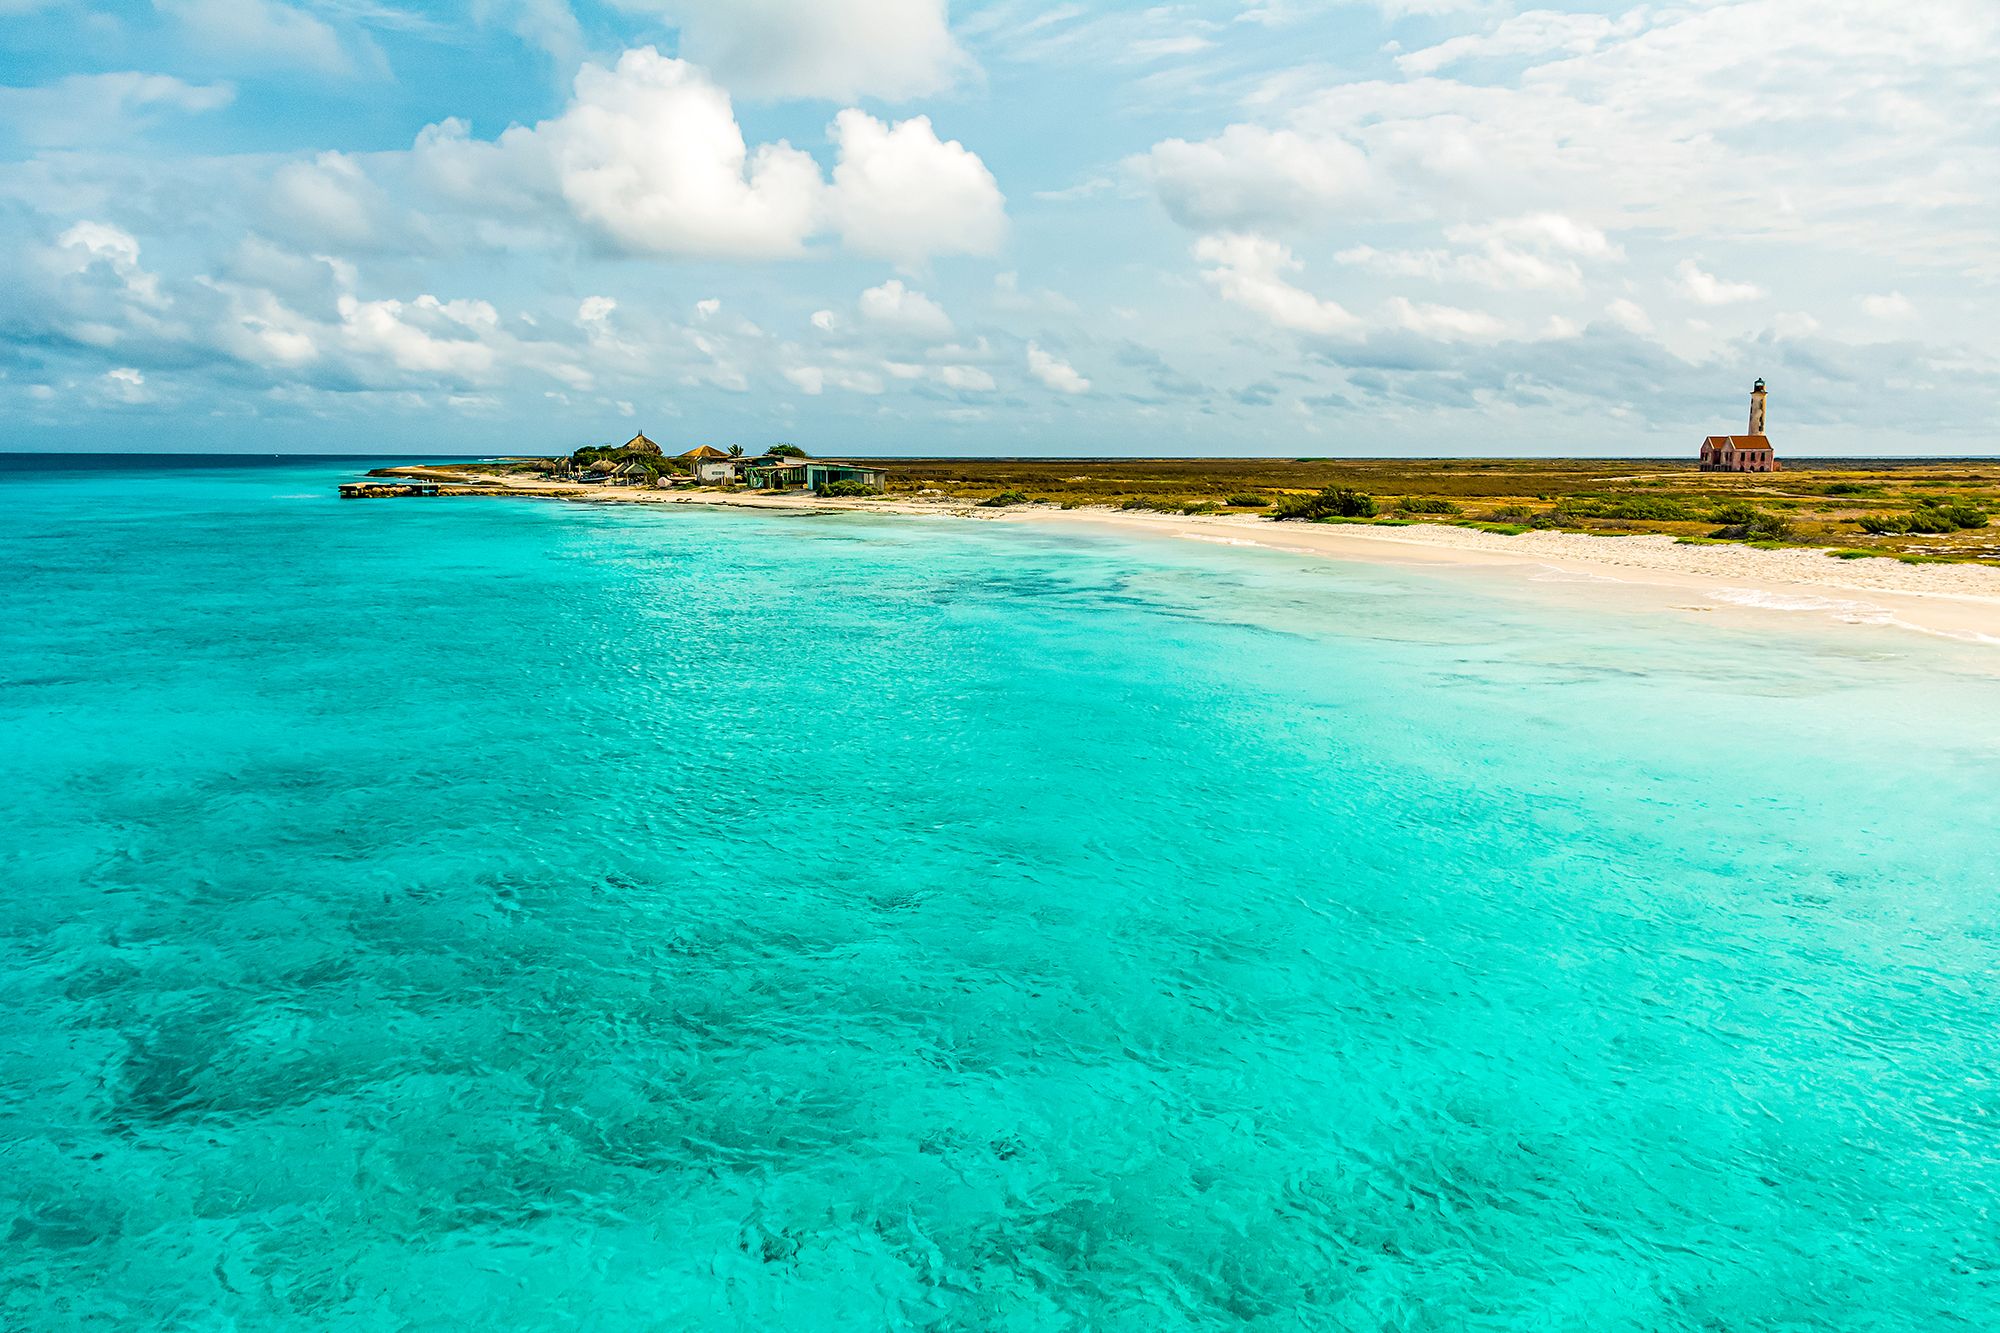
(1956, 600)
(1961, 601)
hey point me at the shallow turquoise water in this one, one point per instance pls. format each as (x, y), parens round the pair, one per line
(450, 915)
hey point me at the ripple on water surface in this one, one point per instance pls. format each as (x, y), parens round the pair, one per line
(463, 915)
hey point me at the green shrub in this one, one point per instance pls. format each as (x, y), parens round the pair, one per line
(1511, 514)
(1928, 518)
(1640, 508)
(648, 458)
(1963, 515)
(1420, 505)
(1248, 501)
(1759, 526)
(1002, 500)
(1850, 488)
(1733, 511)
(1151, 505)
(846, 488)
(786, 451)
(1333, 502)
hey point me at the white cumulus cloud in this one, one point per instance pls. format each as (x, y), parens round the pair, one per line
(1055, 372)
(1892, 307)
(1445, 323)
(1249, 177)
(330, 202)
(901, 193)
(651, 154)
(1628, 315)
(1249, 271)
(1707, 289)
(815, 380)
(895, 307)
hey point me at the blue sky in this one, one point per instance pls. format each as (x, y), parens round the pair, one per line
(1015, 227)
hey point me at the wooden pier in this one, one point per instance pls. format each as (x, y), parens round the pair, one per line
(376, 490)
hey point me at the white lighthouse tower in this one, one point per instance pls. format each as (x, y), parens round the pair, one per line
(1742, 453)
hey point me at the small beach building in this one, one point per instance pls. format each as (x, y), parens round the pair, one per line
(822, 472)
(783, 472)
(1742, 453)
(711, 466)
(1737, 453)
(774, 474)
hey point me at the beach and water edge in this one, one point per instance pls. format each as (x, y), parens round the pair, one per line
(1639, 571)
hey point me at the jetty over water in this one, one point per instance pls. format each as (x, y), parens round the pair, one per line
(376, 490)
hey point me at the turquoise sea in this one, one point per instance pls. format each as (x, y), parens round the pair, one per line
(460, 914)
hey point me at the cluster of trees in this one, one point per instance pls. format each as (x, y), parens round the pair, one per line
(645, 453)
(648, 456)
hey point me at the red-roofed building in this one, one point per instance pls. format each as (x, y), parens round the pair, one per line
(1738, 453)
(1742, 453)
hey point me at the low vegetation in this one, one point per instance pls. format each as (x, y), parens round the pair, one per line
(1332, 502)
(1927, 518)
(1926, 509)
(609, 457)
(846, 489)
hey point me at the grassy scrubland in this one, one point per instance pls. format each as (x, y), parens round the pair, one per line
(1914, 510)
(1861, 507)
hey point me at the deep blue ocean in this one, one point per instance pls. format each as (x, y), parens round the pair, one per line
(483, 914)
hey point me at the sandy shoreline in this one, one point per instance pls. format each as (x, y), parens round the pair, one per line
(1955, 600)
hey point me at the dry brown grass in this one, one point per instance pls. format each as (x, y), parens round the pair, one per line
(1509, 491)
(1605, 496)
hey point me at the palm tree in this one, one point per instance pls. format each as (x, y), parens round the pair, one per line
(736, 451)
